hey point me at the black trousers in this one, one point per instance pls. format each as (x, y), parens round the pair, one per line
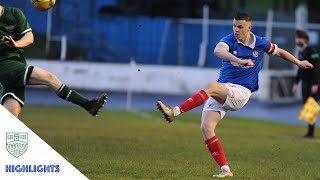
(306, 92)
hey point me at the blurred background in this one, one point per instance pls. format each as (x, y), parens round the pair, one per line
(141, 51)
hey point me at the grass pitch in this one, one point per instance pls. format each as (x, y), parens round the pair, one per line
(132, 145)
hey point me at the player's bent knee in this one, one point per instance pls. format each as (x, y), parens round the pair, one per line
(51, 78)
(43, 76)
(212, 88)
(207, 128)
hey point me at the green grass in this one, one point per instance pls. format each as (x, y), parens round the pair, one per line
(127, 145)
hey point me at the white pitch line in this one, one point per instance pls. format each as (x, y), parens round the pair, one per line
(146, 115)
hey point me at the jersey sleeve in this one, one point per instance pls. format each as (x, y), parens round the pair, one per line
(270, 48)
(226, 41)
(22, 23)
(316, 73)
(298, 75)
(313, 58)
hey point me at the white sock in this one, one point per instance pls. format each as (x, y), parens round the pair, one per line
(225, 168)
(176, 111)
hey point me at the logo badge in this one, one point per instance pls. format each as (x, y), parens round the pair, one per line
(255, 54)
(17, 143)
(10, 27)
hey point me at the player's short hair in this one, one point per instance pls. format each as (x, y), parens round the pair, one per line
(302, 34)
(243, 16)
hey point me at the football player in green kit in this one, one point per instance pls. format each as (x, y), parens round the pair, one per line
(16, 74)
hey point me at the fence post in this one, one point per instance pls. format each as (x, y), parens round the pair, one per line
(132, 65)
(64, 45)
(205, 36)
(180, 35)
(164, 40)
(48, 33)
(301, 13)
(269, 26)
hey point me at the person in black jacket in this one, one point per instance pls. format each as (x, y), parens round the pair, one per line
(309, 77)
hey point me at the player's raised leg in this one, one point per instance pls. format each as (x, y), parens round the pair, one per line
(43, 77)
(209, 121)
(218, 91)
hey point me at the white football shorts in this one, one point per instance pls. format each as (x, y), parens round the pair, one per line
(237, 97)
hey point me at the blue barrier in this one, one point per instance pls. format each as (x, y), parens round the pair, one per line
(109, 38)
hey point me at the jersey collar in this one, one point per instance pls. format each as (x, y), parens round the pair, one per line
(253, 44)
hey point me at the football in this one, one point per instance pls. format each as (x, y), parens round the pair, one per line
(43, 5)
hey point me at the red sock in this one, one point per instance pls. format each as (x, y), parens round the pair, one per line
(194, 101)
(216, 151)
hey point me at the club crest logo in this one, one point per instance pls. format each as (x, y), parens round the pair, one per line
(10, 27)
(17, 143)
(255, 54)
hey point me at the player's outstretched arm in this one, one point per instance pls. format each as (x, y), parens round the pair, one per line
(289, 57)
(26, 40)
(222, 52)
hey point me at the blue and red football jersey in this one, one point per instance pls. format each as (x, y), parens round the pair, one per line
(246, 76)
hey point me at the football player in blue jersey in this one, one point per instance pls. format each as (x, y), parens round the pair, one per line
(242, 57)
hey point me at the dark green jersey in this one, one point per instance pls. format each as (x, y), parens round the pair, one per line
(12, 23)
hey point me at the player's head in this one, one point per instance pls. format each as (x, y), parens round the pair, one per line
(302, 38)
(242, 25)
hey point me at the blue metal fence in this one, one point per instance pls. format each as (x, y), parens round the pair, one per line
(108, 38)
